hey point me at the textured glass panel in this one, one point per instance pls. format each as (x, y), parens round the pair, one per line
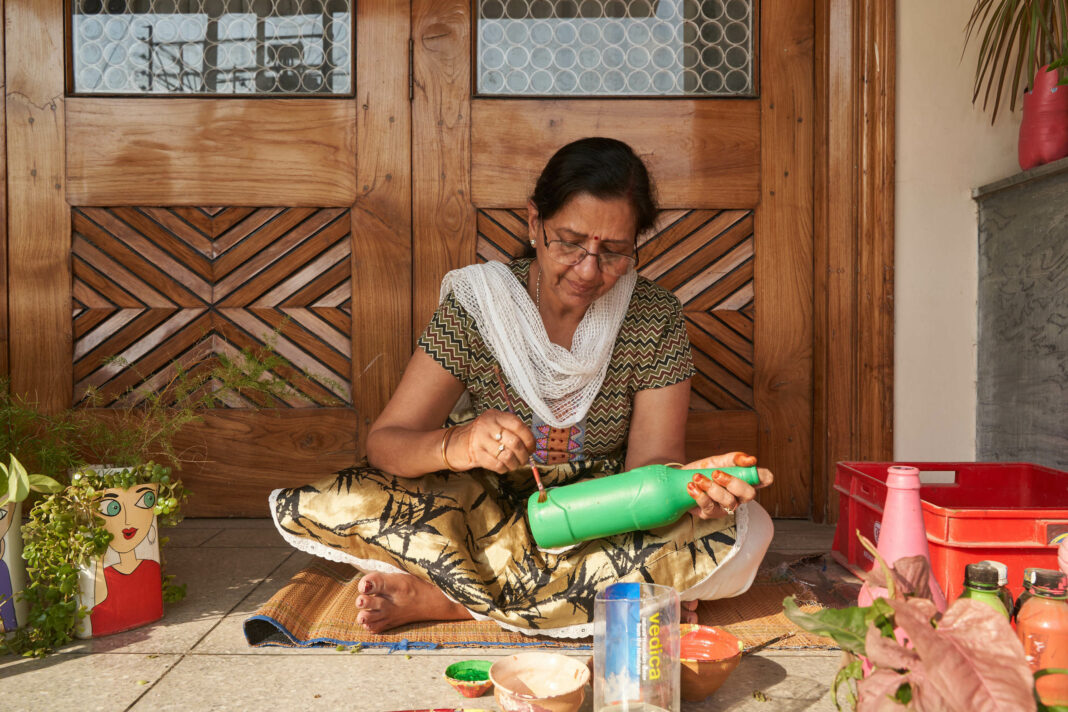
(212, 46)
(615, 47)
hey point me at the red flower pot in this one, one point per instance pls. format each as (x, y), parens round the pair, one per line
(1044, 130)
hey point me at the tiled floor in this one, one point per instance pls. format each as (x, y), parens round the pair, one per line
(196, 657)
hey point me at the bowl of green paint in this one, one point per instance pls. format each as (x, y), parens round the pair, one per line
(470, 677)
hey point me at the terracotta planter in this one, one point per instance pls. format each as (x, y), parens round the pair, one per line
(1044, 129)
(123, 589)
(12, 568)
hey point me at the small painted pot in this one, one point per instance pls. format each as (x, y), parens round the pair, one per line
(708, 656)
(470, 677)
(123, 589)
(12, 568)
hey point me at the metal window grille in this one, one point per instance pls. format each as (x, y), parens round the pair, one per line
(275, 47)
(615, 47)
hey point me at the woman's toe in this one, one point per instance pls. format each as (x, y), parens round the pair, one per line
(368, 584)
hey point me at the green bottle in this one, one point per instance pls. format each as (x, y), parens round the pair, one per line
(981, 584)
(643, 498)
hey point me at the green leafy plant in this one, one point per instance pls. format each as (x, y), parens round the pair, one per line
(1062, 63)
(43, 443)
(65, 533)
(16, 484)
(1017, 38)
(967, 659)
(142, 422)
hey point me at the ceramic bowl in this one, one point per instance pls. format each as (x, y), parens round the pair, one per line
(541, 681)
(708, 656)
(469, 677)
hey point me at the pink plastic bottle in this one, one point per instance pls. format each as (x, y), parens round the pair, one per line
(902, 532)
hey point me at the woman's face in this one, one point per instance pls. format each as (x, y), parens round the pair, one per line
(598, 225)
(127, 514)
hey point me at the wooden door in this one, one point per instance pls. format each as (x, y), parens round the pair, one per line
(169, 228)
(734, 177)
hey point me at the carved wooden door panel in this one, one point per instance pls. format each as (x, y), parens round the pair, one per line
(188, 178)
(716, 96)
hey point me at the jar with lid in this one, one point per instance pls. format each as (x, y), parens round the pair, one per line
(981, 584)
(1042, 626)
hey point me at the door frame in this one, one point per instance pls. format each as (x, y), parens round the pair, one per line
(853, 398)
(853, 219)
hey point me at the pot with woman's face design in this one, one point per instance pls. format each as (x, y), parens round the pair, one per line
(123, 589)
(12, 567)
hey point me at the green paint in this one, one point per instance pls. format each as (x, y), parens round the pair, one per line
(469, 671)
(470, 676)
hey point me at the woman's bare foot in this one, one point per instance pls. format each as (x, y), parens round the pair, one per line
(389, 600)
(689, 611)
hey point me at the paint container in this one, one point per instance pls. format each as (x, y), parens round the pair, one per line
(636, 648)
(469, 677)
(539, 682)
(708, 655)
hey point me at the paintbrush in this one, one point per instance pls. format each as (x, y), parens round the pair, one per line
(542, 494)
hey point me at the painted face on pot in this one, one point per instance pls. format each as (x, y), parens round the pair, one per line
(128, 514)
(599, 226)
(7, 515)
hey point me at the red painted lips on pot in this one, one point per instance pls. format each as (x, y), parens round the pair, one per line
(129, 533)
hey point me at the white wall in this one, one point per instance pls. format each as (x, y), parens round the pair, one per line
(945, 147)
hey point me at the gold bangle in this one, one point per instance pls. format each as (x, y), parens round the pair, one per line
(673, 464)
(444, 444)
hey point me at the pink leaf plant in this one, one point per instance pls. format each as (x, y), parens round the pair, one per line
(967, 659)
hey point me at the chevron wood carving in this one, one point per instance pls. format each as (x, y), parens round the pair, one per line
(706, 258)
(155, 288)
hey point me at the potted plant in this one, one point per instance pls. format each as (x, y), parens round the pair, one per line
(92, 555)
(901, 653)
(15, 486)
(1021, 43)
(92, 548)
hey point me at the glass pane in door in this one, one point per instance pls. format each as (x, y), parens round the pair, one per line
(216, 47)
(615, 47)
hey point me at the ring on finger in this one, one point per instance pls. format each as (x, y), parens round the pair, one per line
(500, 449)
(498, 435)
(730, 510)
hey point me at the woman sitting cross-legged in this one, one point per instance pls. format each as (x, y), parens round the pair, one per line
(569, 359)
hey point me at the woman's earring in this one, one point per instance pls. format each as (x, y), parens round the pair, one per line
(532, 243)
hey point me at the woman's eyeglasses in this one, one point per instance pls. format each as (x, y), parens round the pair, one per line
(571, 253)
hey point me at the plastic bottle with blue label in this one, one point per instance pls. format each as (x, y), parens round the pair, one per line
(636, 648)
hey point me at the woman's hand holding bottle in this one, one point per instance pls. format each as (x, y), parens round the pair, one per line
(719, 494)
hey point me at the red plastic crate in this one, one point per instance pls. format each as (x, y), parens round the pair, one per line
(1014, 512)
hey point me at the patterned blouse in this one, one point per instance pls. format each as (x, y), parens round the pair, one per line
(652, 350)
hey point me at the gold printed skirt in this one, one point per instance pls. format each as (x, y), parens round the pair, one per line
(467, 534)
